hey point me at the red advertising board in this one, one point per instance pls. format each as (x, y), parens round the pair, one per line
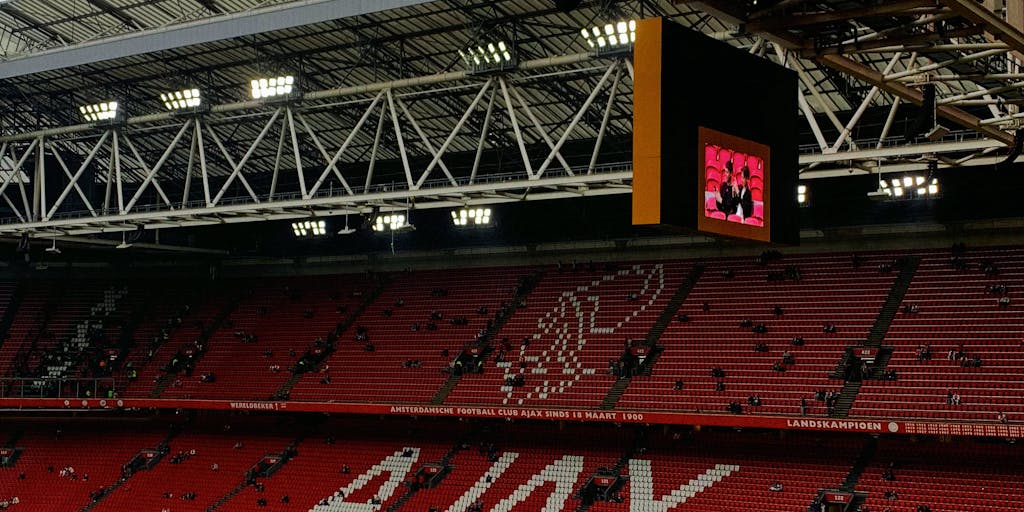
(866, 425)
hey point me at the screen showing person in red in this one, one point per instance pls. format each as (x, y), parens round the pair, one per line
(735, 185)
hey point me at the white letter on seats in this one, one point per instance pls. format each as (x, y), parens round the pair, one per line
(397, 467)
(641, 486)
(564, 472)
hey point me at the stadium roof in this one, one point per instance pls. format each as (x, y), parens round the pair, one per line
(854, 57)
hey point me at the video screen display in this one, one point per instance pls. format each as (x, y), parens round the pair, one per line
(710, 155)
(734, 177)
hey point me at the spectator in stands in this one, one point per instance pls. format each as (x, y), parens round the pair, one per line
(720, 386)
(746, 323)
(705, 307)
(803, 407)
(760, 347)
(777, 366)
(889, 475)
(735, 407)
(718, 373)
(760, 328)
(261, 501)
(775, 487)
(891, 495)
(214, 467)
(1004, 302)
(375, 500)
(797, 341)
(924, 508)
(829, 329)
(754, 401)
(787, 358)
(683, 317)
(1000, 417)
(777, 311)
(889, 374)
(678, 386)
(924, 352)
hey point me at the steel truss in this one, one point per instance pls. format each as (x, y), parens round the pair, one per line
(167, 170)
(428, 142)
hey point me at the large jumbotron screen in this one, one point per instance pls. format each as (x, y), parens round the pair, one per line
(714, 137)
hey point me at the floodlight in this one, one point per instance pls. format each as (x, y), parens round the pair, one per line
(933, 189)
(181, 100)
(474, 216)
(801, 189)
(279, 86)
(309, 228)
(105, 111)
(617, 35)
(908, 181)
(897, 191)
(919, 180)
(394, 222)
(493, 55)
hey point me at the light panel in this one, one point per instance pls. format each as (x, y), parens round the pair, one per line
(183, 99)
(99, 112)
(393, 222)
(620, 34)
(471, 217)
(309, 228)
(492, 53)
(262, 88)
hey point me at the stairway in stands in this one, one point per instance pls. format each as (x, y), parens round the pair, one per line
(284, 392)
(500, 318)
(175, 430)
(12, 309)
(653, 335)
(214, 325)
(451, 453)
(877, 333)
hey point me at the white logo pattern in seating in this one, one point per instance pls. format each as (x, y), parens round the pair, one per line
(566, 327)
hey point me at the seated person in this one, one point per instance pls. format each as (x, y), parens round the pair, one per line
(798, 341)
(678, 385)
(775, 487)
(746, 323)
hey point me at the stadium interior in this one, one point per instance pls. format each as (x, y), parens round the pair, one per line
(361, 256)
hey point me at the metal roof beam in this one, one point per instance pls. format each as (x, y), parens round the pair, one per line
(788, 21)
(992, 22)
(218, 28)
(726, 12)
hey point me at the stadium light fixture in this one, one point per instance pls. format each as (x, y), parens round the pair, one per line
(611, 37)
(488, 57)
(309, 228)
(471, 217)
(106, 111)
(801, 195)
(274, 87)
(392, 223)
(906, 188)
(182, 100)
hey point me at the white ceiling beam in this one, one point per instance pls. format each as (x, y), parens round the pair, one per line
(218, 28)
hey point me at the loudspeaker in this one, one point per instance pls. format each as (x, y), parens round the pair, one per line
(925, 119)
